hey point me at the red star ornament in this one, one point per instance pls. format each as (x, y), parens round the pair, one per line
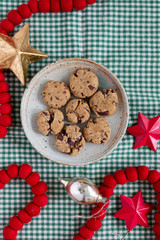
(134, 211)
(146, 132)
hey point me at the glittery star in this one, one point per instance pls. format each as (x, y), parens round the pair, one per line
(16, 53)
(146, 132)
(134, 211)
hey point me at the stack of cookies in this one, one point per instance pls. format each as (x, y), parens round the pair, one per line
(84, 86)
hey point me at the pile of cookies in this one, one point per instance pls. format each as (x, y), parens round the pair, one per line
(83, 84)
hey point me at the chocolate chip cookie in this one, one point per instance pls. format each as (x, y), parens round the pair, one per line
(97, 131)
(56, 94)
(77, 111)
(104, 103)
(70, 140)
(83, 83)
(50, 121)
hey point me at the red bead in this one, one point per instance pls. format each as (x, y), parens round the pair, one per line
(91, 1)
(158, 197)
(105, 191)
(24, 170)
(78, 237)
(157, 217)
(153, 176)
(4, 178)
(157, 238)
(132, 174)
(12, 171)
(4, 87)
(5, 98)
(94, 224)
(156, 229)
(55, 6)
(24, 11)
(33, 178)
(24, 216)
(5, 120)
(3, 32)
(98, 215)
(7, 26)
(3, 131)
(40, 200)
(32, 209)
(86, 233)
(143, 172)
(102, 204)
(15, 223)
(14, 17)
(9, 233)
(156, 186)
(6, 108)
(44, 6)
(9, 239)
(2, 77)
(110, 181)
(33, 5)
(67, 5)
(120, 177)
(80, 4)
(40, 188)
(158, 207)
(1, 185)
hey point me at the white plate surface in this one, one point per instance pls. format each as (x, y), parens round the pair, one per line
(32, 104)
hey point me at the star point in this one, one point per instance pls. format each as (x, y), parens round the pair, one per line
(16, 53)
(146, 132)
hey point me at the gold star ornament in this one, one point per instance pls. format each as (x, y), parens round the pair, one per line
(16, 53)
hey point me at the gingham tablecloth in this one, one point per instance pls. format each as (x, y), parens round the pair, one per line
(124, 36)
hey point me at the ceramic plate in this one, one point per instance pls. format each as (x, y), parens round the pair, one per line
(32, 104)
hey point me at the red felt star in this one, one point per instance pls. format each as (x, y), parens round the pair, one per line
(147, 132)
(134, 211)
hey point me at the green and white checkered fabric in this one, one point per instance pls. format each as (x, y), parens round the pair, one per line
(124, 36)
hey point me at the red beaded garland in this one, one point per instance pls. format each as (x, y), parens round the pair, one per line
(32, 209)
(105, 191)
(143, 172)
(24, 216)
(5, 98)
(3, 131)
(120, 177)
(15, 223)
(24, 170)
(78, 237)
(6, 108)
(12, 171)
(39, 188)
(4, 178)
(40, 200)
(80, 4)
(14, 17)
(86, 233)
(44, 6)
(33, 179)
(91, 1)
(94, 224)
(7, 26)
(67, 5)
(24, 11)
(4, 87)
(133, 174)
(33, 5)
(55, 6)
(5, 120)
(9, 233)
(1, 74)
(153, 176)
